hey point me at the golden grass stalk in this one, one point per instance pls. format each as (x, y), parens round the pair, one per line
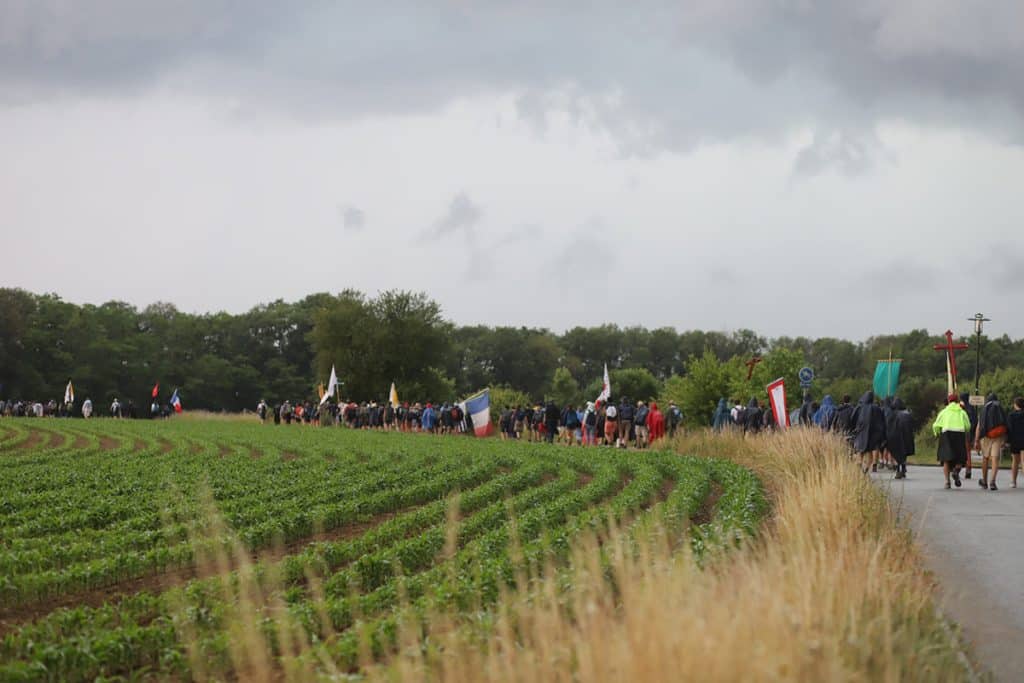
(832, 590)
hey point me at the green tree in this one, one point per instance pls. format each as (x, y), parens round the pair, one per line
(1006, 384)
(707, 380)
(564, 388)
(506, 397)
(780, 363)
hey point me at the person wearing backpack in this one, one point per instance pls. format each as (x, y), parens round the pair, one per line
(990, 439)
(640, 424)
(589, 425)
(673, 418)
(611, 424)
(571, 422)
(1015, 427)
(626, 414)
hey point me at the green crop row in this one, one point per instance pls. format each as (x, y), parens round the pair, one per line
(520, 508)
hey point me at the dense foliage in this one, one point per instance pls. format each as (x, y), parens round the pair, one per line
(283, 350)
(93, 507)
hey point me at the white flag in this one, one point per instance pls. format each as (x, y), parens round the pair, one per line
(69, 393)
(950, 385)
(606, 388)
(331, 386)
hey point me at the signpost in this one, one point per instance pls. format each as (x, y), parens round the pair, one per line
(806, 376)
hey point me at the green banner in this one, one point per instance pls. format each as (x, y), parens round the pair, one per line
(887, 378)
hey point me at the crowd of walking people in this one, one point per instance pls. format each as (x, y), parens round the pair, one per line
(54, 408)
(597, 423)
(606, 423)
(880, 433)
(443, 418)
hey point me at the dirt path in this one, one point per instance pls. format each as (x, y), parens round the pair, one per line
(972, 543)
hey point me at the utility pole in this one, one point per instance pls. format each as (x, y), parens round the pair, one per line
(979, 320)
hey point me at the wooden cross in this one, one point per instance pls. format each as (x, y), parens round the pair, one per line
(950, 349)
(751, 364)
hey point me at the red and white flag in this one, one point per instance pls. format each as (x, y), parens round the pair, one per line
(606, 388)
(777, 397)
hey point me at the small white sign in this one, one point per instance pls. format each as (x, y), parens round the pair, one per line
(976, 400)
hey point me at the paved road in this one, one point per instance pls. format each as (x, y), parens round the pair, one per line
(974, 543)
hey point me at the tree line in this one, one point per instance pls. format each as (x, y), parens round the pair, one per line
(283, 350)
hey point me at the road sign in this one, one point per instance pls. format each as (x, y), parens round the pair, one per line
(806, 375)
(976, 400)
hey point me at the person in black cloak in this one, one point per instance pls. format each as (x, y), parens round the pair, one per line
(807, 409)
(752, 417)
(1015, 426)
(868, 431)
(899, 436)
(972, 415)
(841, 421)
(551, 417)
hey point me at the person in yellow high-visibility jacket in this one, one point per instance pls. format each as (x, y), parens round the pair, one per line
(953, 427)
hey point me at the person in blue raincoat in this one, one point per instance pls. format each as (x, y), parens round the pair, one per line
(721, 419)
(823, 415)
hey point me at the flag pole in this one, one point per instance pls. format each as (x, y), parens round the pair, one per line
(888, 384)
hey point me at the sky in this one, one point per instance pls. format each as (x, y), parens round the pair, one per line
(797, 167)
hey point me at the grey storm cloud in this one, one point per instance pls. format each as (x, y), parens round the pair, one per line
(462, 215)
(653, 74)
(353, 218)
(869, 147)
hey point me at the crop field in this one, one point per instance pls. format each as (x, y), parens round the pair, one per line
(124, 545)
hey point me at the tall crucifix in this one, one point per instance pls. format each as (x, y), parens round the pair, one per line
(950, 350)
(751, 364)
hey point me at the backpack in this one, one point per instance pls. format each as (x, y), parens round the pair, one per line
(611, 413)
(626, 413)
(999, 423)
(741, 416)
(641, 416)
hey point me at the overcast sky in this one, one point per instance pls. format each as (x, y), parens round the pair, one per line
(798, 167)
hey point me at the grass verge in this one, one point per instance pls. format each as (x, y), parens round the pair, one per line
(832, 589)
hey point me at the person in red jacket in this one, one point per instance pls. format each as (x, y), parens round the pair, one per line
(655, 424)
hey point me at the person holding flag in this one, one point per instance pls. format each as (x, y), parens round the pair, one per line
(606, 389)
(69, 397)
(332, 386)
(176, 401)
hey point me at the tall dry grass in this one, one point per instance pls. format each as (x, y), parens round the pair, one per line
(832, 590)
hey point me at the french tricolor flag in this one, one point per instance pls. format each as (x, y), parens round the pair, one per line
(479, 410)
(176, 401)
